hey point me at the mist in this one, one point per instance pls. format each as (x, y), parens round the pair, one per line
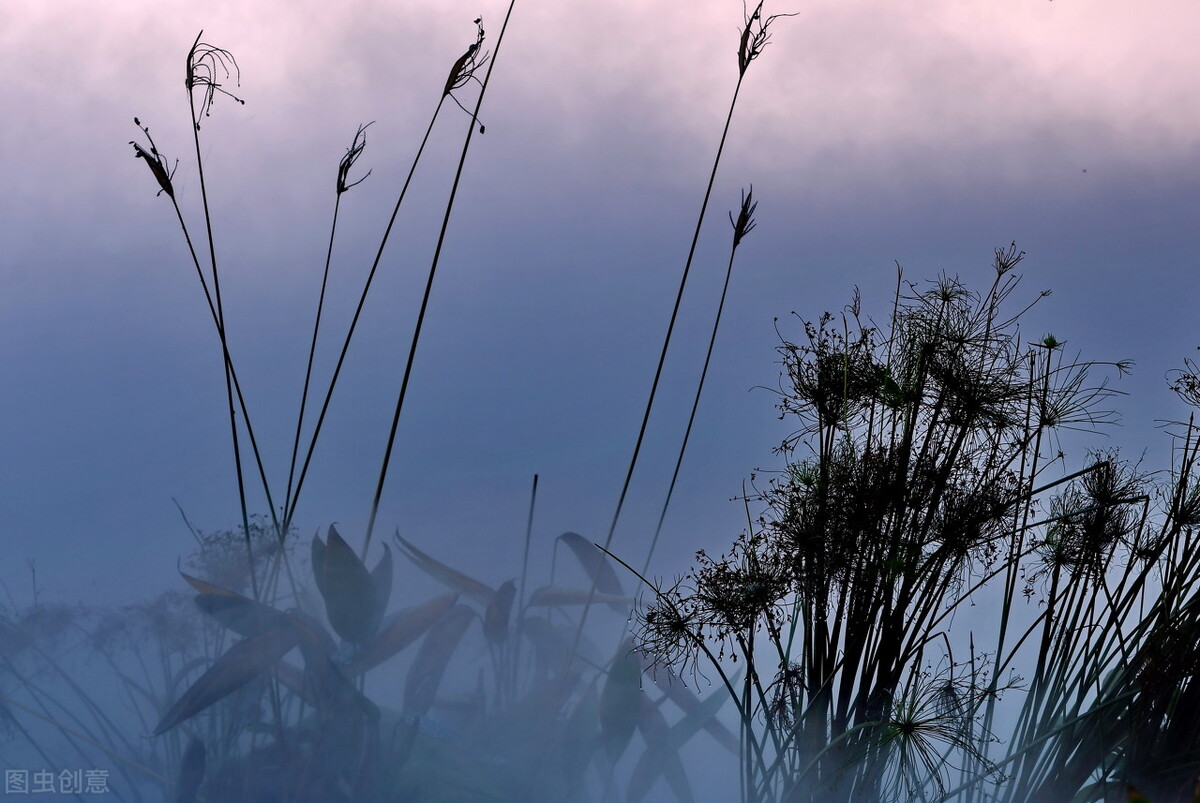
(428, 612)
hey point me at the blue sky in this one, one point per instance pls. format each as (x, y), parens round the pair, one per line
(925, 133)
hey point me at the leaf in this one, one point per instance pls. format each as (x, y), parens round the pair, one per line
(240, 614)
(551, 596)
(381, 578)
(596, 564)
(425, 674)
(331, 692)
(403, 629)
(663, 745)
(495, 618)
(205, 587)
(191, 772)
(240, 664)
(688, 702)
(659, 758)
(581, 736)
(452, 578)
(351, 600)
(620, 701)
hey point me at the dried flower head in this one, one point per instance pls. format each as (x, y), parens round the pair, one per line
(745, 219)
(207, 66)
(669, 633)
(352, 153)
(755, 35)
(463, 71)
(1007, 259)
(155, 161)
(1186, 383)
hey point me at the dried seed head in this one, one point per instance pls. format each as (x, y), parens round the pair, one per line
(352, 153)
(755, 35)
(464, 69)
(207, 66)
(1008, 259)
(745, 219)
(155, 161)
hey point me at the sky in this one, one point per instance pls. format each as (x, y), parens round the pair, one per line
(925, 134)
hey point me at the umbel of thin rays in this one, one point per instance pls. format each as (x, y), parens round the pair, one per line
(208, 70)
(919, 479)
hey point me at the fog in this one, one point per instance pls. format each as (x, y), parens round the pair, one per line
(873, 135)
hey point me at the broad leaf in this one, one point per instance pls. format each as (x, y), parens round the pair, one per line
(496, 616)
(351, 599)
(551, 596)
(673, 686)
(191, 772)
(596, 564)
(660, 758)
(663, 744)
(620, 702)
(425, 675)
(240, 664)
(454, 579)
(401, 630)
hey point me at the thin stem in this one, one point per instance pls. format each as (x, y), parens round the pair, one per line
(712, 341)
(662, 358)
(437, 253)
(312, 348)
(291, 502)
(220, 312)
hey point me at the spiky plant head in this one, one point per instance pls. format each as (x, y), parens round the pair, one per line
(157, 163)
(744, 224)
(207, 67)
(755, 34)
(347, 162)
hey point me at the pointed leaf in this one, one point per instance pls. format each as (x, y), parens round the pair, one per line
(331, 692)
(495, 618)
(425, 674)
(240, 614)
(401, 630)
(191, 772)
(454, 579)
(205, 587)
(596, 564)
(552, 596)
(381, 578)
(620, 701)
(658, 759)
(663, 744)
(240, 664)
(673, 686)
(351, 602)
(318, 562)
(582, 736)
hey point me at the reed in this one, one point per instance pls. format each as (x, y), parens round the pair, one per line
(917, 486)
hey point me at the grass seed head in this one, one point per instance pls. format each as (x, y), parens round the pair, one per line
(207, 66)
(755, 35)
(352, 153)
(464, 69)
(745, 219)
(155, 161)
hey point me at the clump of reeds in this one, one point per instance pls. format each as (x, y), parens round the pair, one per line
(912, 491)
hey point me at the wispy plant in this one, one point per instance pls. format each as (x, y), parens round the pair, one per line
(909, 495)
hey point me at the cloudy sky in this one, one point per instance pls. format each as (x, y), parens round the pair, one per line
(926, 133)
